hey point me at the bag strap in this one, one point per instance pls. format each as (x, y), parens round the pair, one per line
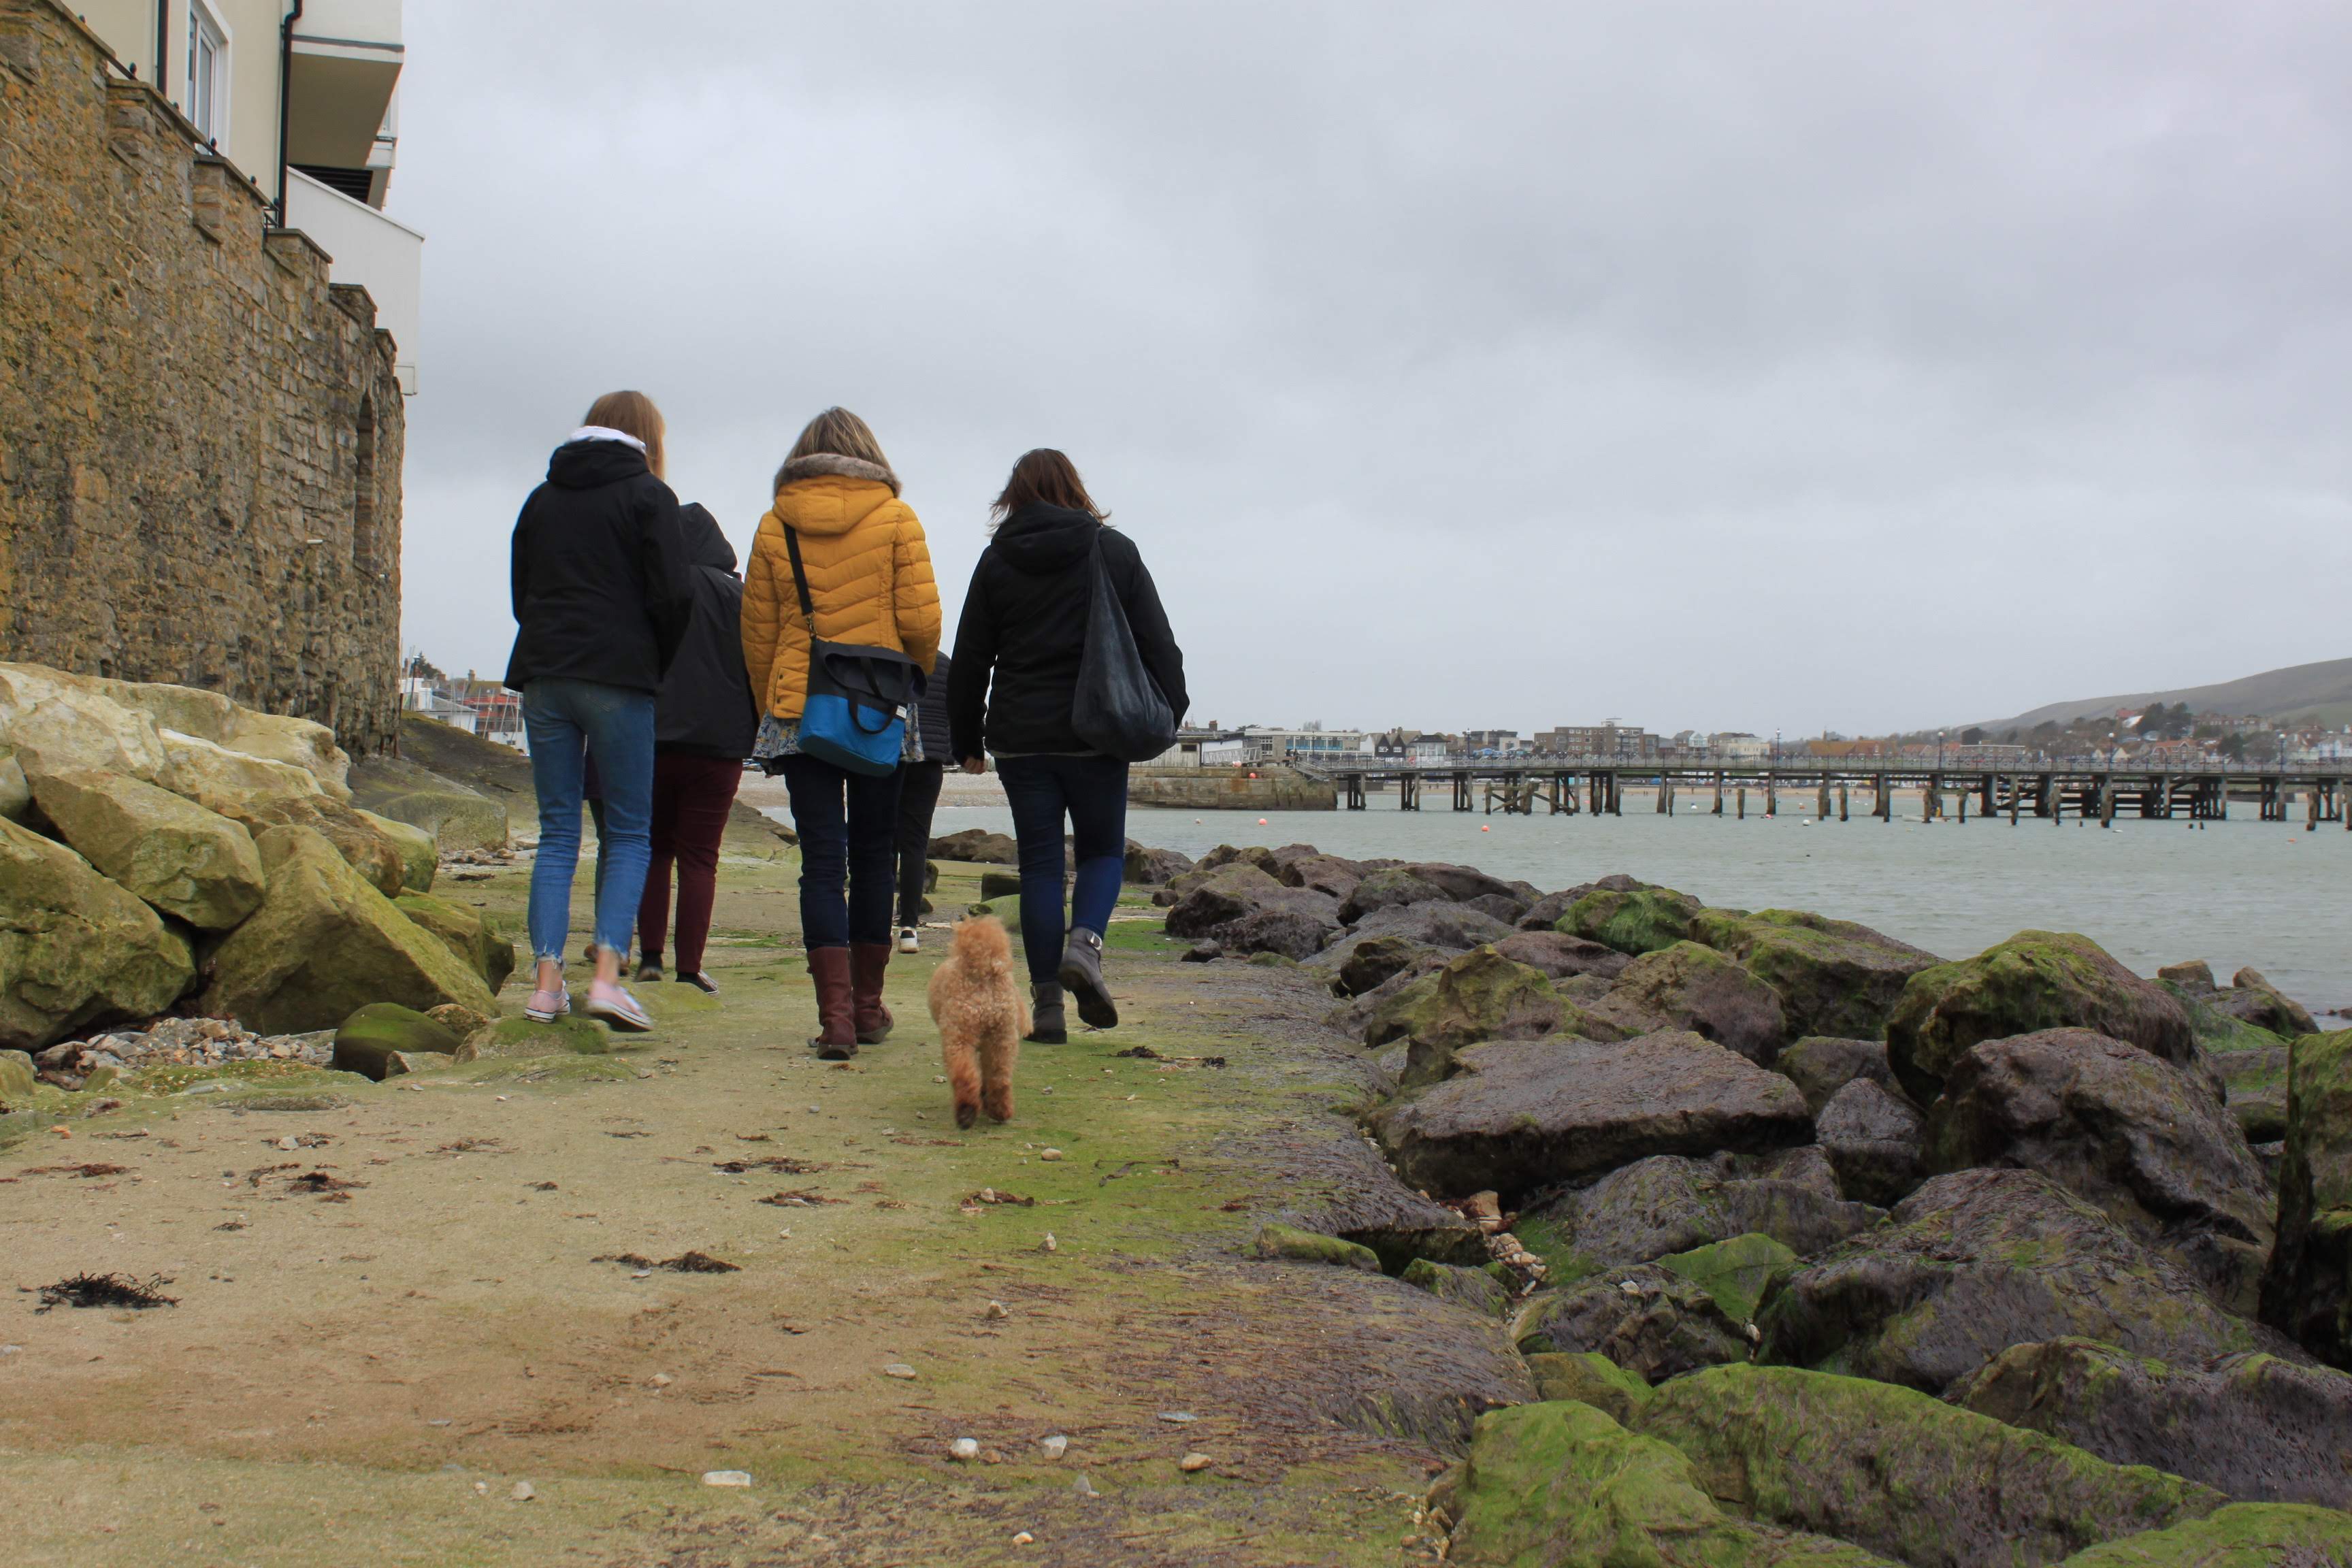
(800, 577)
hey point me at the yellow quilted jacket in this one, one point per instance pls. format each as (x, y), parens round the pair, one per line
(869, 577)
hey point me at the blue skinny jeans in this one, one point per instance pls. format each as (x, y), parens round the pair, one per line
(848, 827)
(570, 721)
(1091, 792)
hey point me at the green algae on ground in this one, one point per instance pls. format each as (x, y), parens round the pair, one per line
(528, 1037)
(1594, 1379)
(1287, 1241)
(1813, 1451)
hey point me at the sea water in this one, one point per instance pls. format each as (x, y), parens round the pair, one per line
(2266, 894)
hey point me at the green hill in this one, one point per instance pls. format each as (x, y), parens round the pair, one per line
(2302, 694)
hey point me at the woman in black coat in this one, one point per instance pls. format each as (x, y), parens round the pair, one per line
(1010, 693)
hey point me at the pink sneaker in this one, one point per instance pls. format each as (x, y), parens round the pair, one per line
(617, 1008)
(546, 1007)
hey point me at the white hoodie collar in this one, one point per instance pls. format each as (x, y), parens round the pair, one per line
(603, 433)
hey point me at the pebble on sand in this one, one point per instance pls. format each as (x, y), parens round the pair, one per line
(897, 1369)
(726, 1478)
(523, 1493)
(1192, 1463)
(964, 1448)
(1055, 1445)
(1049, 1153)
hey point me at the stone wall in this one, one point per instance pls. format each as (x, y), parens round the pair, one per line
(1230, 789)
(200, 436)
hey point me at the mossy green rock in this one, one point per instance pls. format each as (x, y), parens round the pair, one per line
(420, 857)
(1734, 1272)
(370, 1038)
(17, 1079)
(1832, 977)
(2035, 980)
(1975, 1262)
(465, 932)
(1689, 986)
(1287, 1241)
(1654, 1324)
(1472, 1288)
(2258, 1427)
(1820, 1064)
(190, 863)
(1634, 920)
(325, 943)
(1901, 1473)
(2217, 1031)
(2307, 1290)
(75, 947)
(1594, 1379)
(526, 1038)
(1562, 1485)
(1480, 996)
(2243, 1535)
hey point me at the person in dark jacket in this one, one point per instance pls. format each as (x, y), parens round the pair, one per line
(602, 603)
(1017, 652)
(918, 797)
(704, 722)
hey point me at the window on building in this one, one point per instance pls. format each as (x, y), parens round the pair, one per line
(207, 74)
(364, 490)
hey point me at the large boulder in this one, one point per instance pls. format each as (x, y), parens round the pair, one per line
(210, 773)
(1635, 920)
(2307, 1290)
(1526, 1114)
(2142, 1139)
(1480, 996)
(1449, 926)
(1735, 1272)
(190, 863)
(1371, 960)
(367, 849)
(1820, 1064)
(57, 722)
(1232, 892)
(420, 856)
(1873, 1138)
(1327, 874)
(16, 793)
(1464, 883)
(1545, 913)
(1152, 867)
(2254, 1000)
(1649, 1320)
(1898, 1472)
(2255, 1082)
(1670, 1204)
(209, 716)
(75, 948)
(1833, 978)
(324, 943)
(465, 932)
(1392, 887)
(1561, 956)
(1563, 1485)
(1688, 986)
(1976, 1262)
(457, 818)
(2243, 1535)
(2036, 979)
(976, 844)
(2258, 1427)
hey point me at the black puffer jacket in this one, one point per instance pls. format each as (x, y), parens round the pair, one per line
(1024, 620)
(599, 573)
(705, 705)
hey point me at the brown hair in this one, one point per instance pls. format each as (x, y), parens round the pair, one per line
(838, 433)
(1045, 478)
(632, 414)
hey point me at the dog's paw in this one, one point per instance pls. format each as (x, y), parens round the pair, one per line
(968, 1113)
(999, 1106)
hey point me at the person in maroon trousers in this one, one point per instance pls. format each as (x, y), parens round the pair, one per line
(704, 723)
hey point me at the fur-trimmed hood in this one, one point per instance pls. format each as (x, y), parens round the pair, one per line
(818, 465)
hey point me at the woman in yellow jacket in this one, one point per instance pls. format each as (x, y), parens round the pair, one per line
(869, 581)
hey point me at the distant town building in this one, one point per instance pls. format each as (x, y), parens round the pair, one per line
(1619, 743)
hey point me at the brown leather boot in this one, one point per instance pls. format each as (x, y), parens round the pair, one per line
(837, 1037)
(867, 960)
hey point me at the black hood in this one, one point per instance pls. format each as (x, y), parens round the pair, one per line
(705, 545)
(1042, 540)
(585, 465)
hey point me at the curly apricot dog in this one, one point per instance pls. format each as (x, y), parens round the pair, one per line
(976, 1002)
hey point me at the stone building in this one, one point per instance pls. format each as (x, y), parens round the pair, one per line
(200, 432)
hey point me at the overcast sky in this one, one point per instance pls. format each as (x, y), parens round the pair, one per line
(1727, 367)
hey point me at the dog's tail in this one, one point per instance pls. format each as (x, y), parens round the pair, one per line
(980, 947)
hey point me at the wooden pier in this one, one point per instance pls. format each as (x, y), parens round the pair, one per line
(2086, 790)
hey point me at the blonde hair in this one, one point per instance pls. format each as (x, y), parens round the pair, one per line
(838, 433)
(632, 414)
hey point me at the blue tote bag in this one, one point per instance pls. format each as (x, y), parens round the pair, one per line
(857, 697)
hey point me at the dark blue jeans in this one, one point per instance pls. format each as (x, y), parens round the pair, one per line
(569, 721)
(848, 824)
(1092, 793)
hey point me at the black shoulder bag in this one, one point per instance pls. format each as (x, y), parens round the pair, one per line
(1119, 710)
